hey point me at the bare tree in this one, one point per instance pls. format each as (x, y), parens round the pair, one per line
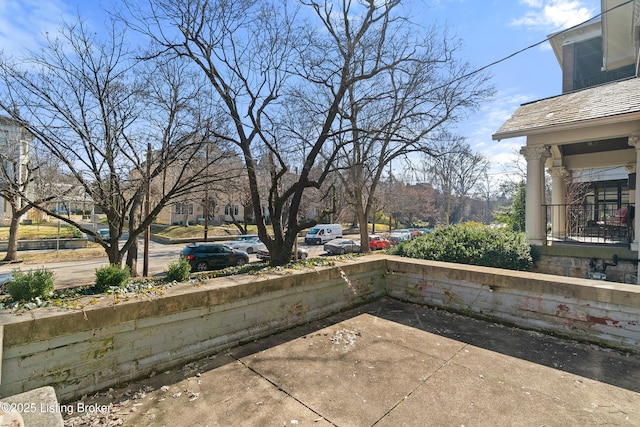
(403, 110)
(254, 53)
(236, 193)
(115, 124)
(418, 203)
(456, 171)
(18, 172)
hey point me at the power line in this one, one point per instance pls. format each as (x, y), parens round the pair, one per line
(530, 46)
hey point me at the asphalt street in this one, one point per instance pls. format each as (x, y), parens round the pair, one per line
(82, 272)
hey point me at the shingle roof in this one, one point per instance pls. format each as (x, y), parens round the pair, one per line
(613, 99)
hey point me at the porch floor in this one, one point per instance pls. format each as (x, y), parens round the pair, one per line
(389, 363)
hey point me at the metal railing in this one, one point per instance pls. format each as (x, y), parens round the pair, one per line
(607, 223)
(605, 77)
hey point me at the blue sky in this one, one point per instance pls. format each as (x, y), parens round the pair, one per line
(489, 29)
(492, 30)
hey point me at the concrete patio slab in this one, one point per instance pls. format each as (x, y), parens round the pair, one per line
(388, 364)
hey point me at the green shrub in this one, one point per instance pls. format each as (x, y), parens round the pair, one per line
(111, 276)
(179, 270)
(30, 285)
(471, 244)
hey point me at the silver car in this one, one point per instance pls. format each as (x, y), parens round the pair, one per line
(341, 246)
(248, 243)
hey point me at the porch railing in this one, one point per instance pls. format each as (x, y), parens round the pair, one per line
(607, 223)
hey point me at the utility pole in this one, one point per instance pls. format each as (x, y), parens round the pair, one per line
(145, 267)
(333, 203)
(205, 210)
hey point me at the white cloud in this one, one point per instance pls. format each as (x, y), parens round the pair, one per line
(24, 22)
(502, 155)
(555, 14)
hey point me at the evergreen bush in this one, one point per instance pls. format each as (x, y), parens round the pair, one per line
(471, 244)
(179, 270)
(111, 276)
(30, 285)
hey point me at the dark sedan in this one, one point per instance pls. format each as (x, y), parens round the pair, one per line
(341, 246)
(209, 256)
(263, 254)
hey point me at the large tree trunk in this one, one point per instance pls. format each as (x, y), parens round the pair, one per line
(17, 211)
(132, 259)
(283, 254)
(114, 254)
(364, 231)
(12, 246)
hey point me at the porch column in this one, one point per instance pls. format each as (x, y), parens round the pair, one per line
(634, 141)
(535, 227)
(559, 202)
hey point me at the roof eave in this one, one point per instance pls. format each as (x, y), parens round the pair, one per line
(619, 118)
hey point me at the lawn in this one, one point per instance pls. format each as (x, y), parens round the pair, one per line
(42, 257)
(182, 232)
(50, 231)
(40, 231)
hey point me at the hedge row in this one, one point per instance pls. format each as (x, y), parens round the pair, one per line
(472, 243)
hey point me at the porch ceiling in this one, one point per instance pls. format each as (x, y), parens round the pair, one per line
(595, 146)
(617, 101)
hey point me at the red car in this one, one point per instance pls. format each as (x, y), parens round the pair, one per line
(378, 242)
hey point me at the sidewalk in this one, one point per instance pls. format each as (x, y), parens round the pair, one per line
(388, 364)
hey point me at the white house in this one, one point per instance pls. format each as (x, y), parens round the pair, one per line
(14, 152)
(587, 138)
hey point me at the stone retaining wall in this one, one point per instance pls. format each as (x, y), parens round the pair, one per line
(40, 244)
(82, 351)
(611, 263)
(591, 310)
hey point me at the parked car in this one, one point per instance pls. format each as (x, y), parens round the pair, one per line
(209, 256)
(322, 233)
(104, 233)
(342, 246)
(399, 237)
(378, 242)
(414, 231)
(263, 254)
(249, 243)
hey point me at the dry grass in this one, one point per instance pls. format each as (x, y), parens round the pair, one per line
(93, 251)
(39, 231)
(42, 257)
(182, 232)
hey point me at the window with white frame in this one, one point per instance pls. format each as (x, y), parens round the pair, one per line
(231, 210)
(183, 208)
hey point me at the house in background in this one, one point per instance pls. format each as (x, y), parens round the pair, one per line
(192, 211)
(588, 140)
(14, 154)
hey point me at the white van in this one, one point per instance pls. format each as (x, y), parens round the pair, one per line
(323, 233)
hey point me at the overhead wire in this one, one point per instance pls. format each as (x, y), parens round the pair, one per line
(479, 70)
